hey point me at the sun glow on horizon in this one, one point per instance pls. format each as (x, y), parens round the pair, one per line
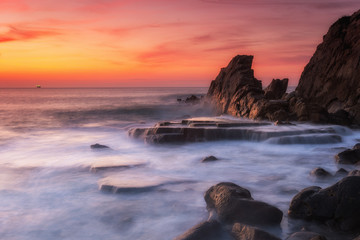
(94, 43)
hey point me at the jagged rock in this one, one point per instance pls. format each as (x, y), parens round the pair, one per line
(328, 90)
(276, 89)
(338, 205)
(244, 232)
(349, 156)
(306, 236)
(331, 78)
(320, 173)
(208, 230)
(209, 159)
(233, 203)
(99, 146)
(192, 99)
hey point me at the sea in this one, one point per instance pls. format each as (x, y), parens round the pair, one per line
(49, 189)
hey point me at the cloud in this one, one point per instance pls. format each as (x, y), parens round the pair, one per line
(12, 33)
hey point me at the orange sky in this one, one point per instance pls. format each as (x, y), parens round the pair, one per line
(114, 43)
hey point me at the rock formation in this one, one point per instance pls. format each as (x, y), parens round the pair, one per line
(338, 206)
(328, 90)
(332, 77)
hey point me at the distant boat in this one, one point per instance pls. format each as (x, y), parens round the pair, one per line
(38, 86)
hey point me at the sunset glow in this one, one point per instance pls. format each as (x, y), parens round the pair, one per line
(114, 43)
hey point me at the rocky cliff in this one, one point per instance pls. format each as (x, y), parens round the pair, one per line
(332, 77)
(328, 90)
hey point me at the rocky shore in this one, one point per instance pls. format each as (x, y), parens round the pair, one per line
(328, 90)
(328, 93)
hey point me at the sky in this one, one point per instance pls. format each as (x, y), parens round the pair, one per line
(143, 43)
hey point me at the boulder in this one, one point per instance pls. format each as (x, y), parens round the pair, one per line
(306, 236)
(349, 156)
(208, 230)
(341, 172)
(320, 173)
(209, 159)
(232, 203)
(338, 205)
(244, 232)
(331, 78)
(276, 89)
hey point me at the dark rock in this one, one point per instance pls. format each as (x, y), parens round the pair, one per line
(328, 90)
(99, 146)
(349, 156)
(209, 159)
(233, 203)
(341, 172)
(209, 230)
(354, 173)
(306, 236)
(276, 89)
(192, 99)
(245, 232)
(338, 205)
(320, 173)
(356, 146)
(357, 238)
(331, 78)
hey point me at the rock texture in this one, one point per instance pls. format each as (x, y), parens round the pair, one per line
(233, 203)
(349, 156)
(234, 214)
(244, 232)
(328, 90)
(338, 205)
(332, 77)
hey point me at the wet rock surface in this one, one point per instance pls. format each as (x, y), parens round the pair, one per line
(338, 206)
(349, 156)
(99, 146)
(233, 203)
(208, 230)
(217, 128)
(320, 173)
(234, 214)
(209, 159)
(244, 232)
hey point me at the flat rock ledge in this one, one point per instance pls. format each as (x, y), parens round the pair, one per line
(217, 128)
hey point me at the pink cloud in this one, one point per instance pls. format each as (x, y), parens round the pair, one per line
(18, 34)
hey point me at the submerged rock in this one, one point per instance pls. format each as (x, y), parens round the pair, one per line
(209, 159)
(99, 146)
(338, 205)
(233, 203)
(320, 173)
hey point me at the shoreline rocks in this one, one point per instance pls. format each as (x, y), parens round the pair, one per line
(328, 90)
(337, 206)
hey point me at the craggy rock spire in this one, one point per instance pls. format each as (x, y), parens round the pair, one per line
(332, 77)
(328, 91)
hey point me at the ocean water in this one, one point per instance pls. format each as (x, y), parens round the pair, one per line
(48, 189)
